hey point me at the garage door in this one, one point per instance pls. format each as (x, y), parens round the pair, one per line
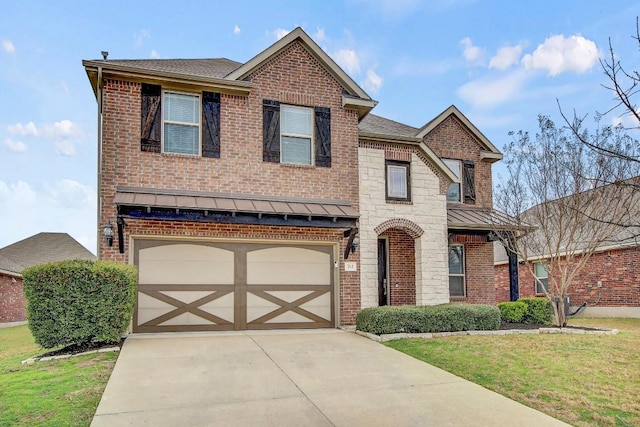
(196, 286)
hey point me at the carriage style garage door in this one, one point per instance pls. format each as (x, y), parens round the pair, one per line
(212, 286)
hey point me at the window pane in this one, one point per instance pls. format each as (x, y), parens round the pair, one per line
(181, 108)
(456, 286)
(296, 121)
(454, 165)
(541, 287)
(397, 184)
(541, 270)
(453, 192)
(456, 260)
(181, 139)
(296, 150)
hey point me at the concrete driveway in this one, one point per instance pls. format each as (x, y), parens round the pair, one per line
(291, 378)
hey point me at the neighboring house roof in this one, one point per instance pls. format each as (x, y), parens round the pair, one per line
(39, 249)
(224, 74)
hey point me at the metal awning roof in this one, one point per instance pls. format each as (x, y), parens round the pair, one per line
(480, 219)
(232, 203)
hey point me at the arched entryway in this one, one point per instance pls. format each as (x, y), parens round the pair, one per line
(397, 262)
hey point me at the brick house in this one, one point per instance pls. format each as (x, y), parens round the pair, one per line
(259, 195)
(38, 249)
(608, 284)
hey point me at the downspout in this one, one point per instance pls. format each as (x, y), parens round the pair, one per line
(99, 186)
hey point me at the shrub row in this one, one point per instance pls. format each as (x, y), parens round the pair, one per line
(439, 318)
(79, 302)
(537, 311)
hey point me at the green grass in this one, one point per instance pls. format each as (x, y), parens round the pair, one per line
(584, 380)
(63, 392)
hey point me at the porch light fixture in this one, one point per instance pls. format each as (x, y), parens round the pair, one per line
(107, 231)
(355, 243)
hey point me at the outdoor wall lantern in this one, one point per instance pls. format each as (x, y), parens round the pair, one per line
(107, 231)
(355, 243)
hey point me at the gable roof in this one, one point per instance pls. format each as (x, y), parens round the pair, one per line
(39, 249)
(225, 74)
(490, 152)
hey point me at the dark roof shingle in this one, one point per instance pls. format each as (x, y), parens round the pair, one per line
(381, 126)
(209, 68)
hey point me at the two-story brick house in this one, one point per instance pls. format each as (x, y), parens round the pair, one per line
(239, 190)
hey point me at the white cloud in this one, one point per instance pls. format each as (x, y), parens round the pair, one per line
(8, 46)
(280, 33)
(154, 54)
(319, 35)
(16, 196)
(506, 57)
(559, 54)
(348, 59)
(65, 147)
(15, 146)
(488, 92)
(236, 29)
(471, 53)
(139, 37)
(63, 129)
(68, 193)
(373, 82)
(28, 129)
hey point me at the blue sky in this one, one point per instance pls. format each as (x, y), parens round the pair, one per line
(500, 62)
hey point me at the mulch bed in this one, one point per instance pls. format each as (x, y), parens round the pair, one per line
(75, 349)
(528, 326)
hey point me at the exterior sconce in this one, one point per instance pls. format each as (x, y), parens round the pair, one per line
(107, 231)
(355, 243)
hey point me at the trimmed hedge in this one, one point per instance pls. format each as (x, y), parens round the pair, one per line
(512, 311)
(439, 318)
(539, 311)
(79, 302)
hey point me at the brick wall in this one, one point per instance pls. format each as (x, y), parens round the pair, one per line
(618, 270)
(402, 267)
(293, 76)
(451, 139)
(12, 300)
(479, 270)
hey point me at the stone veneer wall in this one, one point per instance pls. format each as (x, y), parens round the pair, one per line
(427, 210)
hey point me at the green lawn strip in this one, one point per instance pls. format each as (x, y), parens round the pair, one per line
(584, 380)
(53, 393)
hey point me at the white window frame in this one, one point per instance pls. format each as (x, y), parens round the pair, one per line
(463, 274)
(454, 164)
(198, 125)
(284, 134)
(540, 279)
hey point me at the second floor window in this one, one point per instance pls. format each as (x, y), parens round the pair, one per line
(454, 190)
(398, 181)
(296, 135)
(181, 123)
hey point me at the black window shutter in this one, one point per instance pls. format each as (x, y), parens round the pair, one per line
(151, 118)
(323, 136)
(271, 131)
(211, 124)
(469, 182)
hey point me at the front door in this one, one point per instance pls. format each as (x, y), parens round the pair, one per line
(383, 293)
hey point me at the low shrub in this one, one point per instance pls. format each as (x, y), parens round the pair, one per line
(512, 311)
(439, 318)
(539, 311)
(79, 302)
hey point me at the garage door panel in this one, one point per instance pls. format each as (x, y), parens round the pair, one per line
(198, 286)
(288, 265)
(187, 264)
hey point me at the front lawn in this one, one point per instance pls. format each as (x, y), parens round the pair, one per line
(62, 392)
(584, 380)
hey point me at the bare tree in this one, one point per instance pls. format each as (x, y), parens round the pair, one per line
(573, 196)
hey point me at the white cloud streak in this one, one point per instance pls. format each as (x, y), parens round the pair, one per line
(348, 59)
(236, 29)
(506, 57)
(470, 52)
(20, 129)
(15, 146)
(373, 82)
(8, 46)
